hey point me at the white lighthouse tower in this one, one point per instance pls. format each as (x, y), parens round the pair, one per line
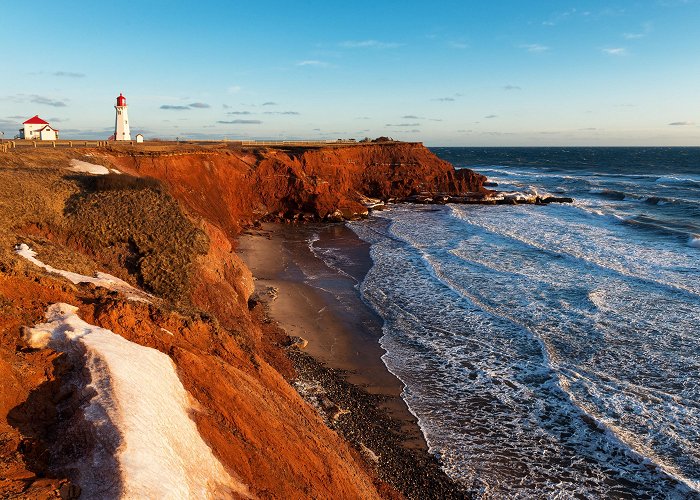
(121, 124)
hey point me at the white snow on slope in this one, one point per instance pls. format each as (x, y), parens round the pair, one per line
(83, 167)
(100, 279)
(161, 453)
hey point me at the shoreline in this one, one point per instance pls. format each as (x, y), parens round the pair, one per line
(340, 371)
(342, 331)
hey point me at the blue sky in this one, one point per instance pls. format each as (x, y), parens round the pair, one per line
(445, 73)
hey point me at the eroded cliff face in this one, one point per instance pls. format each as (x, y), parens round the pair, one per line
(229, 360)
(241, 186)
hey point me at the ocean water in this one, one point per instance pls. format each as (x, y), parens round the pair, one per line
(552, 351)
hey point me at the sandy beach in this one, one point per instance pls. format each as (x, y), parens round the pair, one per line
(322, 305)
(308, 277)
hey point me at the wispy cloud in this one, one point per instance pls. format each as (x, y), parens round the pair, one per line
(313, 62)
(269, 103)
(682, 124)
(240, 122)
(282, 113)
(512, 87)
(402, 125)
(68, 74)
(534, 47)
(615, 51)
(646, 29)
(199, 105)
(172, 107)
(491, 116)
(37, 99)
(238, 113)
(558, 17)
(412, 117)
(444, 99)
(233, 89)
(369, 44)
(458, 45)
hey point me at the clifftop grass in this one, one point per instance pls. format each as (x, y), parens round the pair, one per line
(142, 226)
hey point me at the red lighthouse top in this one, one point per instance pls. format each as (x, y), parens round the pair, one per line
(121, 100)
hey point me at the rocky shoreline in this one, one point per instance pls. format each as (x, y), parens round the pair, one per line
(357, 416)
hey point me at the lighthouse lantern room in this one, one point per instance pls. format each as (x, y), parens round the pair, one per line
(121, 124)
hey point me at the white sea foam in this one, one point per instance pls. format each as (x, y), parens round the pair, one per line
(672, 179)
(139, 401)
(694, 241)
(508, 347)
(100, 279)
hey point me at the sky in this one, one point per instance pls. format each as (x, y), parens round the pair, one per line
(447, 73)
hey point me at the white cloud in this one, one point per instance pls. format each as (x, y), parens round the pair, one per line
(534, 47)
(313, 62)
(615, 51)
(233, 89)
(682, 124)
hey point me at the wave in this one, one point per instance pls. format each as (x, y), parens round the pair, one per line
(609, 193)
(495, 364)
(671, 179)
(694, 241)
(333, 258)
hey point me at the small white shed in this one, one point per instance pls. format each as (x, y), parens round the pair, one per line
(139, 137)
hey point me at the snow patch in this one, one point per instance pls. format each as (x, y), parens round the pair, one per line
(100, 279)
(137, 391)
(83, 167)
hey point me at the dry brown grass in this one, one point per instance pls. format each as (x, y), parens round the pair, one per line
(144, 227)
(120, 224)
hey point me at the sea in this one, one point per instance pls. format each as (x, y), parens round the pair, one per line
(551, 351)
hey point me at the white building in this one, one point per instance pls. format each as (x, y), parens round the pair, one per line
(121, 123)
(37, 129)
(139, 137)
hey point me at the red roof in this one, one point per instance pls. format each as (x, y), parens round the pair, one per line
(36, 121)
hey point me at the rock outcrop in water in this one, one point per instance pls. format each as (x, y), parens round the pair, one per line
(173, 237)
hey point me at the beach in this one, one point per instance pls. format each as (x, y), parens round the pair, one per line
(341, 330)
(308, 276)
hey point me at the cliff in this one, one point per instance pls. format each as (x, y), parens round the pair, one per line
(174, 238)
(308, 183)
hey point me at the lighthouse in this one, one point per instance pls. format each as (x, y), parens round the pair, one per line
(121, 123)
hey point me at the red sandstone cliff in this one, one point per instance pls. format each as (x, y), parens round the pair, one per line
(255, 422)
(234, 187)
